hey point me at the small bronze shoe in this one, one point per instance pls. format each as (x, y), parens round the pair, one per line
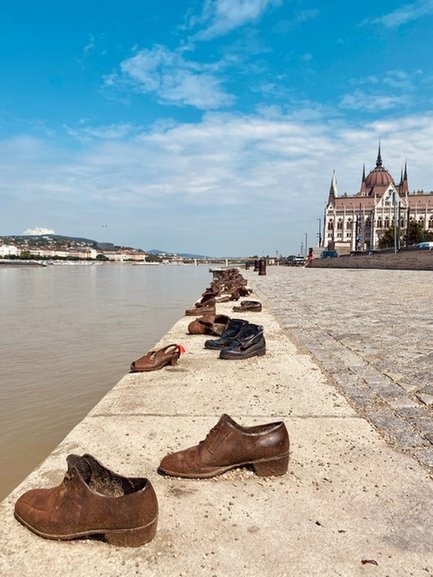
(206, 306)
(248, 306)
(155, 360)
(92, 500)
(229, 445)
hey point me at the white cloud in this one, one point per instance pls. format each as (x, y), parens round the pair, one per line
(404, 14)
(38, 231)
(223, 16)
(173, 79)
(400, 79)
(108, 132)
(228, 184)
(360, 100)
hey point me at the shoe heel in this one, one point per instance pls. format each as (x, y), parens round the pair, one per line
(173, 361)
(272, 468)
(132, 537)
(261, 352)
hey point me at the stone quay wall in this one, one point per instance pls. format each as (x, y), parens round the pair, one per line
(406, 260)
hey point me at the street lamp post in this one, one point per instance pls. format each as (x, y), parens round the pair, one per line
(395, 220)
(319, 232)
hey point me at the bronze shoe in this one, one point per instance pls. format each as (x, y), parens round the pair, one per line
(155, 360)
(92, 500)
(229, 445)
(248, 306)
(209, 325)
(199, 310)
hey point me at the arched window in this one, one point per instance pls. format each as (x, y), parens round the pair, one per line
(386, 222)
(340, 224)
(430, 222)
(379, 223)
(330, 225)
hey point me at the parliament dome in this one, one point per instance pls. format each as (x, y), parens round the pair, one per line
(378, 179)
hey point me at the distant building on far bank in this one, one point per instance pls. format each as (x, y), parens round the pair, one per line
(357, 222)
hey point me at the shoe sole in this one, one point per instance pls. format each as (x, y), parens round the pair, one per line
(275, 467)
(134, 537)
(171, 362)
(241, 356)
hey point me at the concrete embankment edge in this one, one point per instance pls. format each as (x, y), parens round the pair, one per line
(348, 500)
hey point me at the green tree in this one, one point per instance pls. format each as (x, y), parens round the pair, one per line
(387, 239)
(415, 233)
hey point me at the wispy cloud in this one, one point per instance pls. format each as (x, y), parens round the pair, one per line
(173, 79)
(84, 133)
(391, 89)
(403, 15)
(220, 17)
(360, 100)
(395, 79)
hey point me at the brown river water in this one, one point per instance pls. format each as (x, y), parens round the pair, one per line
(67, 335)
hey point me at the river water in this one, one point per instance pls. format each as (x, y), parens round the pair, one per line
(67, 335)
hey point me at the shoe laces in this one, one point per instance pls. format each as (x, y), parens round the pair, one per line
(212, 433)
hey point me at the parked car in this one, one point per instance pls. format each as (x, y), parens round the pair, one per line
(328, 254)
(425, 245)
(293, 260)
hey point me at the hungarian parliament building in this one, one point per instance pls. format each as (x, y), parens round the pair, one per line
(356, 223)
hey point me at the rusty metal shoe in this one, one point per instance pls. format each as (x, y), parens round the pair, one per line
(248, 306)
(92, 500)
(202, 309)
(229, 445)
(209, 325)
(155, 360)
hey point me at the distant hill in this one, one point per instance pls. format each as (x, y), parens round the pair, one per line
(45, 239)
(158, 252)
(60, 240)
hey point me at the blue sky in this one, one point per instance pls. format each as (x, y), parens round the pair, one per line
(206, 126)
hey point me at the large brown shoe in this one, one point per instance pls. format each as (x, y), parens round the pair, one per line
(92, 500)
(229, 445)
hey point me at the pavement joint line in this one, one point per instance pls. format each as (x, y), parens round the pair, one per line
(216, 416)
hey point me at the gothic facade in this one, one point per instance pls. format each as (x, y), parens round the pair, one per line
(357, 222)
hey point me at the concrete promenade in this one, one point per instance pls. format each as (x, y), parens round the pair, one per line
(352, 504)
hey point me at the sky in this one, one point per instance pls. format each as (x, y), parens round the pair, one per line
(206, 126)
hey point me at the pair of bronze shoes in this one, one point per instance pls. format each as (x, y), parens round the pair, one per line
(155, 360)
(93, 500)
